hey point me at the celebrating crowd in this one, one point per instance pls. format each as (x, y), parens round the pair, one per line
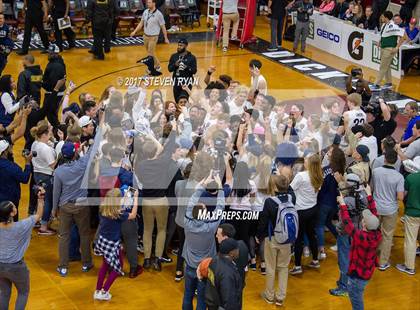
(197, 168)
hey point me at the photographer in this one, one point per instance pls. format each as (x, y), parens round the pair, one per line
(361, 85)
(12, 175)
(183, 64)
(365, 239)
(381, 117)
(388, 187)
(6, 43)
(14, 241)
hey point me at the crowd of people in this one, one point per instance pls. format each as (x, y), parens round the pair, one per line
(227, 178)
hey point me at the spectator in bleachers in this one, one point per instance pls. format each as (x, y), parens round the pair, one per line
(340, 9)
(398, 21)
(412, 31)
(368, 21)
(357, 14)
(412, 111)
(327, 6)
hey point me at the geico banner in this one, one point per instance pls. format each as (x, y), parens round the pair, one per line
(348, 42)
(323, 35)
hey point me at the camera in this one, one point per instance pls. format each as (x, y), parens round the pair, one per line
(356, 72)
(131, 192)
(171, 118)
(220, 146)
(37, 187)
(373, 107)
(26, 153)
(356, 190)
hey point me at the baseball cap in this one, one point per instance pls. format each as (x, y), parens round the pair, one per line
(185, 143)
(353, 179)
(259, 130)
(363, 150)
(413, 21)
(4, 145)
(183, 41)
(286, 153)
(68, 149)
(371, 221)
(53, 49)
(84, 121)
(228, 245)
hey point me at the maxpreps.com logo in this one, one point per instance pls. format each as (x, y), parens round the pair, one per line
(311, 34)
(355, 46)
(376, 56)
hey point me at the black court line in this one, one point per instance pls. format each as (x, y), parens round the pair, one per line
(315, 69)
(140, 65)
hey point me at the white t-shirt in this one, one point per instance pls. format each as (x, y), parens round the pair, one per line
(45, 157)
(301, 127)
(234, 109)
(372, 145)
(306, 197)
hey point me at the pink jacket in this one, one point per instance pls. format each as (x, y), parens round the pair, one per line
(326, 8)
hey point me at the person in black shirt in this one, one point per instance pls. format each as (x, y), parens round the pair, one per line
(183, 64)
(6, 43)
(368, 21)
(36, 13)
(60, 9)
(30, 79)
(277, 9)
(383, 121)
(340, 9)
(361, 86)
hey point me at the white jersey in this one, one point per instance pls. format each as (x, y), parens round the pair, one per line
(255, 82)
(356, 117)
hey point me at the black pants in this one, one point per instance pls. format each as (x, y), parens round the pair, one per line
(52, 105)
(170, 229)
(243, 228)
(276, 31)
(3, 62)
(307, 223)
(37, 22)
(179, 258)
(129, 234)
(59, 35)
(101, 33)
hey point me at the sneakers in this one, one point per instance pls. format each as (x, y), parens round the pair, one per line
(157, 266)
(234, 39)
(272, 49)
(62, 271)
(322, 255)
(253, 266)
(86, 268)
(384, 267)
(387, 86)
(147, 264)
(266, 299)
(165, 259)
(102, 295)
(46, 232)
(375, 87)
(179, 277)
(225, 49)
(314, 264)
(403, 268)
(279, 302)
(296, 270)
(140, 248)
(135, 272)
(338, 292)
(418, 251)
(175, 252)
(306, 252)
(334, 248)
(263, 269)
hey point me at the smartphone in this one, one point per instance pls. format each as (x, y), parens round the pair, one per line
(171, 117)
(131, 191)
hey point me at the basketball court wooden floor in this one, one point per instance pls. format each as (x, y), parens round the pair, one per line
(151, 290)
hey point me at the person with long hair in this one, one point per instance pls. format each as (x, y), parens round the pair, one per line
(113, 212)
(306, 185)
(8, 104)
(14, 241)
(44, 164)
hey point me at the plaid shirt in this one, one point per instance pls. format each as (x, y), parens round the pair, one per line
(363, 257)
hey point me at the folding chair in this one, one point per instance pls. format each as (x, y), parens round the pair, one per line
(127, 18)
(174, 16)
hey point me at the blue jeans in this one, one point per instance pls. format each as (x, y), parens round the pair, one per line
(343, 252)
(191, 284)
(325, 216)
(356, 287)
(47, 181)
(74, 251)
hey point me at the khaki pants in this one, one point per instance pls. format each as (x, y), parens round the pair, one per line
(154, 209)
(277, 258)
(388, 224)
(227, 19)
(412, 226)
(385, 66)
(81, 216)
(150, 43)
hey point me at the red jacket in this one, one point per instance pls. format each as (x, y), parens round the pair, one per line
(364, 244)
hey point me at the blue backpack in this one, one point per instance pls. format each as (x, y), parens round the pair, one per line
(287, 222)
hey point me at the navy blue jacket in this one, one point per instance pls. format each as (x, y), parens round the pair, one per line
(12, 175)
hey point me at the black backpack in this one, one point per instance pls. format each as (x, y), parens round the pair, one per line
(212, 295)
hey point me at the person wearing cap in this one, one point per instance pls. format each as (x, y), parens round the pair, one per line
(14, 241)
(12, 175)
(388, 185)
(183, 66)
(224, 284)
(364, 245)
(36, 14)
(88, 129)
(412, 31)
(153, 22)
(360, 164)
(68, 195)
